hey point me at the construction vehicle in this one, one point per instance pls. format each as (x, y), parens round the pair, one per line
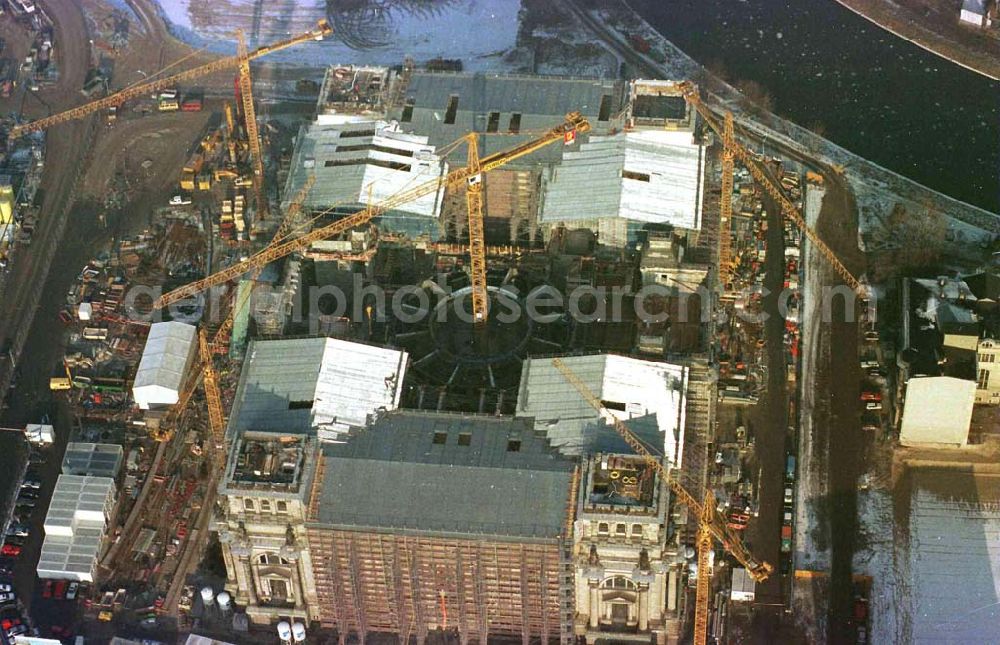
(63, 380)
(771, 186)
(575, 122)
(154, 86)
(712, 524)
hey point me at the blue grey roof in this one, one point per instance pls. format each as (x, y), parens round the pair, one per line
(975, 6)
(541, 101)
(276, 372)
(410, 470)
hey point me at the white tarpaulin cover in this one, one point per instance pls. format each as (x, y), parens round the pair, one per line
(170, 347)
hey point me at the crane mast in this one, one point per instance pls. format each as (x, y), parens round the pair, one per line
(772, 188)
(142, 89)
(210, 379)
(477, 236)
(759, 571)
(726, 204)
(702, 585)
(250, 122)
(575, 122)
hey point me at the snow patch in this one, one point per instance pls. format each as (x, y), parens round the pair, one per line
(382, 36)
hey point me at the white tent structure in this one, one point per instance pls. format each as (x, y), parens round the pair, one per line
(937, 411)
(169, 352)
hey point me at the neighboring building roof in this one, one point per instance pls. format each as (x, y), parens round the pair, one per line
(447, 473)
(952, 564)
(78, 501)
(357, 162)
(654, 177)
(71, 558)
(984, 285)
(165, 359)
(937, 411)
(949, 289)
(541, 102)
(648, 396)
(975, 6)
(315, 385)
(74, 527)
(97, 459)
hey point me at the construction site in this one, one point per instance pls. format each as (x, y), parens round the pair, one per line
(430, 354)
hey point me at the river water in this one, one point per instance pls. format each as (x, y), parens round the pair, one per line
(872, 92)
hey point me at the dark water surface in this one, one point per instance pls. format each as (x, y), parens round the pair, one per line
(873, 93)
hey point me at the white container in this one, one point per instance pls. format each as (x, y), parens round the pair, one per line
(284, 631)
(223, 599)
(85, 311)
(207, 596)
(298, 632)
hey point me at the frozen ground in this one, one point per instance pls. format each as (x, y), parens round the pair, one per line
(479, 32)
(812, 539)
(878, 560)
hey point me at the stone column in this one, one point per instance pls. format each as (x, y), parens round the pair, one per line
(643, 607)
(595, 604)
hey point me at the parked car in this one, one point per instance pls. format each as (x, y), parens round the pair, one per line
(7, 596)
(31, 483)
(25, 503)
(28, 493)
(19, 530)
(14, 540)
(871, 396)
(789, 495)
(47, 589)
(10, 550)
(59, 592)
(873, 405)
(71, 590)
(6, 588)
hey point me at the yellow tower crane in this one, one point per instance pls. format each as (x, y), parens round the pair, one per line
(210, 380)
(143, 89)
(712, 525)
(726, 204)
(574, 122)
(250, 123)
(772, 187)
(477, 235)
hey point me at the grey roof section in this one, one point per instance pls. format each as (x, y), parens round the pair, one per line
(653, 395)
(541, 101)
(351, 164)
(321, 386)
(276, 372)
(397, 475)
(97, 459)
(591, 182)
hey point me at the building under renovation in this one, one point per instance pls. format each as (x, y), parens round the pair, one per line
(430, 521)
(627, 576)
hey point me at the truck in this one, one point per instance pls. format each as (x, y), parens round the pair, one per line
(192, 103)
(790, 468)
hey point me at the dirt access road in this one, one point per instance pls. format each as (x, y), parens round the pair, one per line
(66, 145)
